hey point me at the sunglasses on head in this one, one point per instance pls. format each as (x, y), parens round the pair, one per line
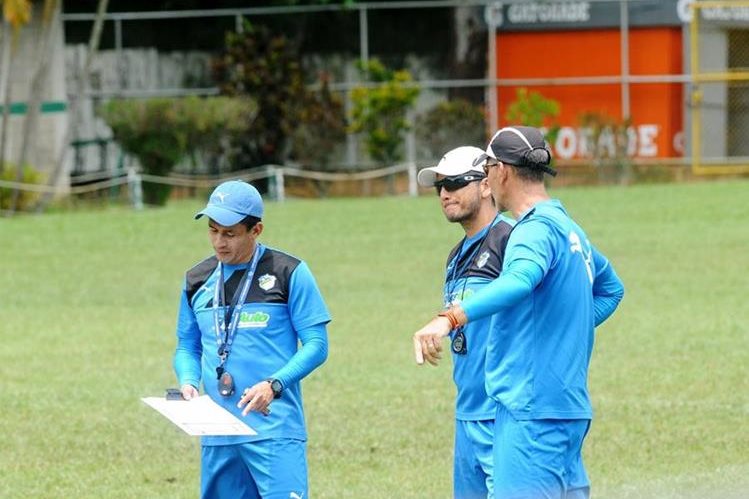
(452, 184)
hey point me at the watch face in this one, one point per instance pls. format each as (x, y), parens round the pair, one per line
(275, 385)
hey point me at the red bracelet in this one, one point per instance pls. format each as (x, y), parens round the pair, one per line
(450, 316)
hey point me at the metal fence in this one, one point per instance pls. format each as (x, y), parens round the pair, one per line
(720, 94)
(625, 110)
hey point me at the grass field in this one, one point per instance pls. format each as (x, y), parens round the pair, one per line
(89, 301)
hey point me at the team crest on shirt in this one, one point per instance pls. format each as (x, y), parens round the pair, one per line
(482, 259)
(266, 282)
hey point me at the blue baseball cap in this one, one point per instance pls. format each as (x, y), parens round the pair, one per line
(231, 202)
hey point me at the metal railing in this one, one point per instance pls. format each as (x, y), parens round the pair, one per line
(692, 79)
(711, 96)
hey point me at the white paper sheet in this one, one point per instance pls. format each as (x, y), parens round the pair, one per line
(200, 416)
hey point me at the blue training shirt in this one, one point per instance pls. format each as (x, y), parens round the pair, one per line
(472, 264)
(283, 307)
(555, 287)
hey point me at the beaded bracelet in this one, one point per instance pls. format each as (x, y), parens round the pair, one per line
(450, 316)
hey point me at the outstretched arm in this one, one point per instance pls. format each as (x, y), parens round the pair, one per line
(515, 283)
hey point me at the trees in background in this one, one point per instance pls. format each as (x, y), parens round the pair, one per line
(381, 112)
(533, 109)
(448, 125)
(81, 80)
(161, 132)
(44, 48)
(25, 199)
(320, 133)
(321, 127)
(16, 13)
(293, 120)
(264, 66)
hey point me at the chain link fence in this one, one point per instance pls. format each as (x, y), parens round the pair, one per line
(720, 93)
(641, 92)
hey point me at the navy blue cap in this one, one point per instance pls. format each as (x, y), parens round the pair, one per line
(231, 202)
(521, 146)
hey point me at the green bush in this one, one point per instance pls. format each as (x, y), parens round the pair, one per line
(533, 109)
(607, 140)
(380, 112)
(263, 65)
(26, 199)
(160, 132)
(321, 128)
(448, 125)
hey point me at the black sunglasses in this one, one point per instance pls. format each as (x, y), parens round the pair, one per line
(452, 184)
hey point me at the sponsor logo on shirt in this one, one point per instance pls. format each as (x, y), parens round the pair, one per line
(266, 282)
(253, 319)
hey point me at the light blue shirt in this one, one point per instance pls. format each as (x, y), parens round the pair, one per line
(555, 287)
(478, 262)
(284, 308)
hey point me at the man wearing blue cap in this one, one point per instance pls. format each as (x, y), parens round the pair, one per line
(242, 314)
(554, 289)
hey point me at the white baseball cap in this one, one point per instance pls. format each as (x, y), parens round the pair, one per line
(455, 162)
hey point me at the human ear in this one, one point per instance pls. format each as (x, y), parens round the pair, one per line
(486, 191)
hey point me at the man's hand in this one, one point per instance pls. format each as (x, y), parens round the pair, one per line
(256, 398)
(428, 341)
(189, 392)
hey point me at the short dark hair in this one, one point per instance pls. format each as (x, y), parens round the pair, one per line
(534, 164)
(249, 221)
(528, 174)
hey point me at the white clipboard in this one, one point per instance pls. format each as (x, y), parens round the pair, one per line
(200, 416)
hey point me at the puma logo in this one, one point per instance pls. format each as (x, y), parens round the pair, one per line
(221, 196)
(294, 495)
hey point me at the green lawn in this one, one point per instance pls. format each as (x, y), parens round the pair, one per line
(89, 303)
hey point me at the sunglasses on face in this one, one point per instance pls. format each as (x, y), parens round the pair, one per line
(452, 184)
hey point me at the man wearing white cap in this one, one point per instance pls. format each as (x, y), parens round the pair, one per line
(242, 314)
(555, 287)
(475, 261)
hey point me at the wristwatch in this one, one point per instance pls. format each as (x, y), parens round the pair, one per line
(276, 386)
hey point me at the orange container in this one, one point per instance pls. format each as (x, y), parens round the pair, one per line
(656, 109)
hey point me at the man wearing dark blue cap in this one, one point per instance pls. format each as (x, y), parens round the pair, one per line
(242, 314)
(554, 289)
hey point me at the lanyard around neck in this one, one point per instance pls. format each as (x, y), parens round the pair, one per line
(224, 335)
(459, 266)
(457, 270)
